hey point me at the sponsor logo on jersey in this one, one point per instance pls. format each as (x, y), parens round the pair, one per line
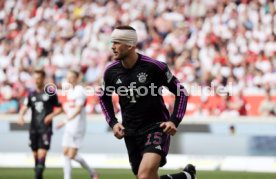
(119, 81)
(39, 106)
(158, 147)
(142, 77)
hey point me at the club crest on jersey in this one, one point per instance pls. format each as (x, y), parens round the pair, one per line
(142, 77)
(45, 97)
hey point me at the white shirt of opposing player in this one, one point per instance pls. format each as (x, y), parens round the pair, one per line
(76, 97)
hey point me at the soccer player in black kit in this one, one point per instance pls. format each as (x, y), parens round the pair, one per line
(42, 106)
(146, 124)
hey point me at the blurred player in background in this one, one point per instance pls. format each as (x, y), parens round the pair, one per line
(146, 125)
(75, 125)
(42, 106)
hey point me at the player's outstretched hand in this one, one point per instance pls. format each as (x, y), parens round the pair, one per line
(48, 119)
(118, 131)
(21, 121)
(168, 127)
(60, 124)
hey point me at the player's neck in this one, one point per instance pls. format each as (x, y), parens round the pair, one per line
(130, 61)
(39, 89)
(74, 85)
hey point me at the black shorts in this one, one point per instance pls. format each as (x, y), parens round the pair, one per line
(40, 140)
(154, 141)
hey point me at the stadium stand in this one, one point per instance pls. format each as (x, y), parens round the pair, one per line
(204, 42)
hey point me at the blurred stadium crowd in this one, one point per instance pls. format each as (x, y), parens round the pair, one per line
(203, 42)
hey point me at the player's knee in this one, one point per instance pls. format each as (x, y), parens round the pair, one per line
(71, 155)
(145, 174)
(41, 161)
(65, 152)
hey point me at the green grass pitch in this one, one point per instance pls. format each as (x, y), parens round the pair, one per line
(15, 173)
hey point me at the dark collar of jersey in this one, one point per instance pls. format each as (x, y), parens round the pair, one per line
(33, 92)
(138, 60)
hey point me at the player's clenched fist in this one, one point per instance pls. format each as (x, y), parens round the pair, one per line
(118, 130)
(168, 127)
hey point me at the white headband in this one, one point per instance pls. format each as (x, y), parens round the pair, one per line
(124, 36)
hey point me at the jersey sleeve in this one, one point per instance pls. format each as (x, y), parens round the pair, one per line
(106, 101)
(181, 95)
(55, 102)
(27, 101)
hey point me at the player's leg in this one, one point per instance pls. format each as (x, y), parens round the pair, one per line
(44, 140)
(41, 157)
(134, 153)
(73, 154)
(149, 169)
(67, 168)
(33, 143)
(67, 143)
(35, 158)
(189, 172)
(149, 166)
(157, 142)
(76, 145)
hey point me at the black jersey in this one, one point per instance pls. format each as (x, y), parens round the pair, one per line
(41, 105)
(139, 90)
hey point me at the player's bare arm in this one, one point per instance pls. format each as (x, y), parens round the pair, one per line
(77, 112)
(48, 119)
(118, 131)
(22, 112)
(72, 117)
